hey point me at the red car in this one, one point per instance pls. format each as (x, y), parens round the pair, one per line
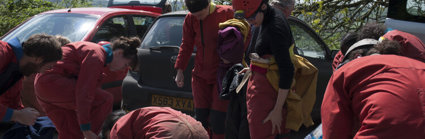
(86, 24)
(157, 6)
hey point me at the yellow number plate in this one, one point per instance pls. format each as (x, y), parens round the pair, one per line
(173, 102)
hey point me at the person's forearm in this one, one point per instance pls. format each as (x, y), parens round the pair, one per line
(281, 98)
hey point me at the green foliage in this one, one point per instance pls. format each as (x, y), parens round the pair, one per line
(331, 19)
(14, 12)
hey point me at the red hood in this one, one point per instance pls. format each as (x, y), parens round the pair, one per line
(411, 46)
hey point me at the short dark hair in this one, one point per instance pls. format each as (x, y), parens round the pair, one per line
(372, 30)
(349, 39)
(129, 45)
(43, 46)
(110, 122)
(388, 47)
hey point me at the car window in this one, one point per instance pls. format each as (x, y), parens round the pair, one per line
(407, 16)
(306, 44)
(166, 31)
(112, 28)
(73, 26)
(141, 23)
(407, 10)
(416, 7)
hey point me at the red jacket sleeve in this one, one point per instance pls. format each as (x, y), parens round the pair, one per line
(188, 40)
(89, 77)
(337, 116)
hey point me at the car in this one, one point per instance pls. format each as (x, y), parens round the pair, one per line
(88, 24)
(157, 6)
(153, 84)
(407, 16)
(85, 24)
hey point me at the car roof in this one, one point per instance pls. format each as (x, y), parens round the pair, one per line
(176, 13)
(99, 11)
(185, 12)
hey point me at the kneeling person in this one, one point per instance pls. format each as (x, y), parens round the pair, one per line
(157, 122)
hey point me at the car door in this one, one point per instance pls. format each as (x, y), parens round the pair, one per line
(160, 48)
(407, 16)
(310, 46)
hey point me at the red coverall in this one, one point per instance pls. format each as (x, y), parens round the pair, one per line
(157, 123)
(274, 39)
(337, 60)
(380, 96)
(112, 81)
(209, 108)
(70, 93)
(10, 99)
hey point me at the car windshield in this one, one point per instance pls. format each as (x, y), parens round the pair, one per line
(73, 26)
(167, 31)
(136, 2)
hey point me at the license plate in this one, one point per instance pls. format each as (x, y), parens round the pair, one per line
(173, 102)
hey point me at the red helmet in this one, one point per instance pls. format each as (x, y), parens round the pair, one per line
(249, 7)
